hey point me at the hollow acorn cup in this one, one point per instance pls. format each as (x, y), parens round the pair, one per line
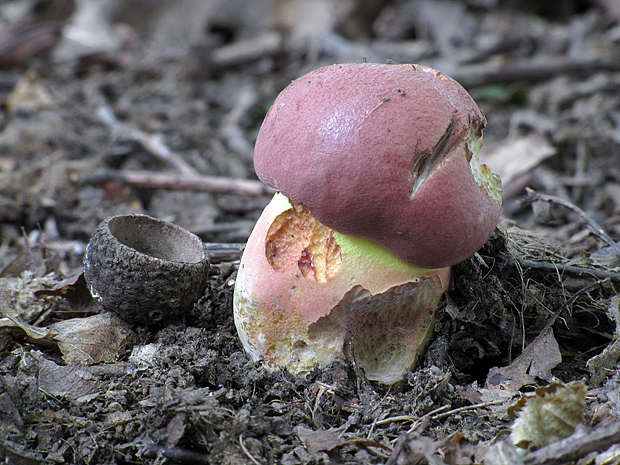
(381, 192)
(145, 269)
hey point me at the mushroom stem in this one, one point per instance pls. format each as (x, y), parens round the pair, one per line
(304, 292)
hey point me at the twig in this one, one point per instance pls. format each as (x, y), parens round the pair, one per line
(425, 420)
(580, 168)
(469, 407)
(177, 454)
(179, 182)
(411, 417)
(533, 196)
(404, 439)
(186, 177)
(437, 414)
(239, 225)
(235, 139)
(576, 446)
(224, 252)
(571, 269)
(246, 451)
(153, 143)
(529, 70)
(243, 51)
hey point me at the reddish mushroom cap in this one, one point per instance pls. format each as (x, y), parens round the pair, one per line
(385, 153)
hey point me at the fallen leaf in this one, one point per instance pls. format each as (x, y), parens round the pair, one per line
(318, 441)
(114, 419)
(494, 397)
(175, 430)
(12, 319)
(73, 289)
(501, 453)
(547, 415)
(34, 33)
(144, 355)
(514, 157)
(10, 418)
(95, 339)
(65, 381)
(536, 361)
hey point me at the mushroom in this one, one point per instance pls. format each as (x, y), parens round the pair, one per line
(381, 192)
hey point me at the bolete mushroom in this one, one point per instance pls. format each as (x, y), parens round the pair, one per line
(381, 192)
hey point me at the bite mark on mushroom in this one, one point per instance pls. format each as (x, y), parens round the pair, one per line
(425, 162)
(296, 238)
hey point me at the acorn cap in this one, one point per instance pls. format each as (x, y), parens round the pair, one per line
(145, 269)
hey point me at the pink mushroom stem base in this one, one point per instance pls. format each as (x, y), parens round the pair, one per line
(306, 295)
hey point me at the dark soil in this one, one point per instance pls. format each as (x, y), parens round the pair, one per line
(93, 135)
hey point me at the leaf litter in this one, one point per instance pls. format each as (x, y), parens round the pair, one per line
(186, 392)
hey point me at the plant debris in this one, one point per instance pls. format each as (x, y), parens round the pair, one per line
(154, 110)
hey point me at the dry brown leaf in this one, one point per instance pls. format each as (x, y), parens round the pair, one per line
(73, 289)
(494, 397)
(65, 381)
(91, 340)
(318, 441)
(175, 430)
(536, 361)
(515, 156)
(12, 319)
(113, 419)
